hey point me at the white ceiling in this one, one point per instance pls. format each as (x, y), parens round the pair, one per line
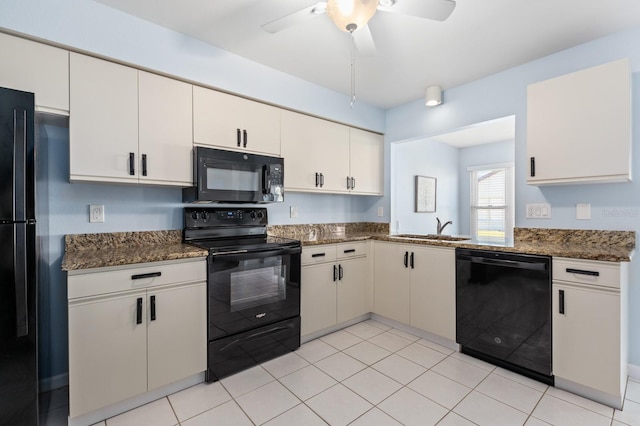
(498, 130)
(481, 37)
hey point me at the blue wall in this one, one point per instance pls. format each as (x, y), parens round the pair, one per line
(96, 28)
(424, 158)
(613, 206)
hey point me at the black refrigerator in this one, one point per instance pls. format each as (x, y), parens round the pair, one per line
(18, 279)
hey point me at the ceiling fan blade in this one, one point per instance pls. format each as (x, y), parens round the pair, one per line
(295, 18)
(437, 10)
(364, 41)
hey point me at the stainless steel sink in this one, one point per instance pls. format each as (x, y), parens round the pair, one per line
(432, 237)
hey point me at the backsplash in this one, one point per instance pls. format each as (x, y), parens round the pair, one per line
(310, 232)
(576, 236)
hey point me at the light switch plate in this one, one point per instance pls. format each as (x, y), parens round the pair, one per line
(96, 213)
(380, 211)
(293, 211)
(538, 211)
(583, 211)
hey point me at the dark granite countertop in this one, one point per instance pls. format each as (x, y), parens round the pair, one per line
(86, 251)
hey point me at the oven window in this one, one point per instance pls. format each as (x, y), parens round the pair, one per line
(232, 179)
(258, 282)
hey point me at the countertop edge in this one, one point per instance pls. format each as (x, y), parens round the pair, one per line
(541, 250)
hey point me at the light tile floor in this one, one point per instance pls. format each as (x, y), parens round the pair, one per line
(370, 374)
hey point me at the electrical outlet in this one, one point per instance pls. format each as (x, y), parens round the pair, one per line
(96, 213)
(538, 211)
(293, 211)
(380, 211)
(583, 211)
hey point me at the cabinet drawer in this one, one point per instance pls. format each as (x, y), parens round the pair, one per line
(347, 250)
(318, 254)
(96, 282)
(605, 274)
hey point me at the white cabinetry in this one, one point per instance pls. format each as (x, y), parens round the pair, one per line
(366, 153)
(128, 126)
(415, 285)
(590, 328)
(334, 285)
(579, 126)
(316, 153)
(165, 133)
(231, 122)
(433, 290)
(37, 68)
(133, 329)
(322, 156)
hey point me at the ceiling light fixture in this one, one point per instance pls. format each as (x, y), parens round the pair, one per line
(351, 15)
(433, 96)
(386, 3)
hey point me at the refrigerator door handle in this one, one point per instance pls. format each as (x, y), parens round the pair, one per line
(20, 279)
(20, 162)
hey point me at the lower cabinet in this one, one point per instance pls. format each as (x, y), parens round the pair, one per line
(415, 285)
(589, 328)
(334, 285)
(134, 329)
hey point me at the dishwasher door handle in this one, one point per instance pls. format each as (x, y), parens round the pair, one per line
(531, 266)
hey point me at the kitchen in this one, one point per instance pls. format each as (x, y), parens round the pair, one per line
(139, 208)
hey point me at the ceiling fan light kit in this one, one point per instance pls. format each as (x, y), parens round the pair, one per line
(350, 15)
(433, 96)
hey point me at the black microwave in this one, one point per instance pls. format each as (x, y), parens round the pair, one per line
(235, 177)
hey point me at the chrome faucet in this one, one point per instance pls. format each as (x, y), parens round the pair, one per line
(441, 227)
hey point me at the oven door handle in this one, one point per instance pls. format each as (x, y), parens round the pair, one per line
(258, 253)
(252, 336)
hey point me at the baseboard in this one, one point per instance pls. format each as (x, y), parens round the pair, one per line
(634, 372)
(55, 382)
(443, 341)
(316, 334)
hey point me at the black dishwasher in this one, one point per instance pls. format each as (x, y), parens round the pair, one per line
(503, 310)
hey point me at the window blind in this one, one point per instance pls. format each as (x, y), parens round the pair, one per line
(492, 204)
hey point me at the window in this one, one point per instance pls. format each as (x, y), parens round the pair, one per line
(492, 213)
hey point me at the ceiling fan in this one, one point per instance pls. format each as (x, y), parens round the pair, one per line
(352, 16)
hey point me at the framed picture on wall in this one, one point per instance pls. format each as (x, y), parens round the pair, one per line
(425, 194)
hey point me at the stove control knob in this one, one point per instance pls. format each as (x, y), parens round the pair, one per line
(253, 215)
(260, 215)
(194, 215)
(204, 215)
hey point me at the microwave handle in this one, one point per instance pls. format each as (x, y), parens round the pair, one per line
(266, 179)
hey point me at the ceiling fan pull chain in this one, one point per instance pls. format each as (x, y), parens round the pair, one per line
(353, 70)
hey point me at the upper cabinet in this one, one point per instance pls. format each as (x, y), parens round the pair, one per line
(128, 126)
(226, 121)
(323, 156)
(165, 131)
(366, 153)
(37, 68)
(579, 126)
(316, 154)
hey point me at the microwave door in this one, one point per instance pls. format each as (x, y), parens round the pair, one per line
(230, 181)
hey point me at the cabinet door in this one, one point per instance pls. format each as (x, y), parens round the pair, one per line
(103, 127)
(107, 352)
(433, 291)
(366, 154)
(318, 298)
(579, 126)
(165, 130)
(312, 146)
(37, 68)
(586, 338)
(217, 118)
(177, 337)
(352, 289)
(392, 286)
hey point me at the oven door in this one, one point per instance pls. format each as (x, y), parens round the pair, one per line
(247, 290)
